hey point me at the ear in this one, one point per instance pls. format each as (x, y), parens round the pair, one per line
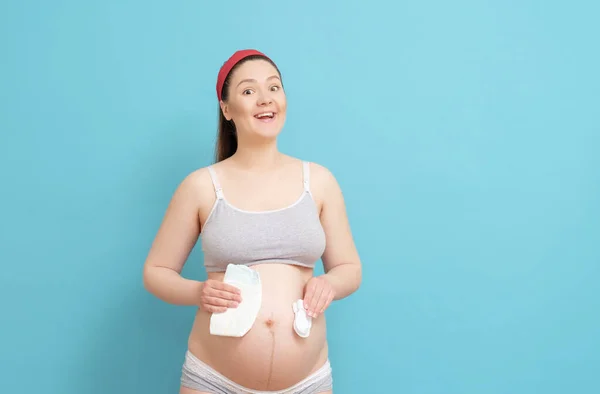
(225, 110)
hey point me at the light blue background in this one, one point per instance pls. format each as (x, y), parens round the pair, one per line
(464, 134)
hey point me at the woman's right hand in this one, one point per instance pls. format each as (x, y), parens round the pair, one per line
(216, 296)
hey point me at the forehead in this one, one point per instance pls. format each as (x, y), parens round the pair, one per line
(257, 69)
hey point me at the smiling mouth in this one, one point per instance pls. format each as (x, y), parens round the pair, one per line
(265, 115)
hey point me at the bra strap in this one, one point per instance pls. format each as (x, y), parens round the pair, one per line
(306, 175)
(215, 181)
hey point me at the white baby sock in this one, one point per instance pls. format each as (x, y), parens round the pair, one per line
(302, 322)
(236, 322)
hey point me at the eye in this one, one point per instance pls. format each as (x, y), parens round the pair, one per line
(247, 91)
(274, 88)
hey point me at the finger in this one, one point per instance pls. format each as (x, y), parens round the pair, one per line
(309, 294)
(226, 287)
(327, 302)
(323, 302)
(215, 309)
(215, 301)
(222, 290)
(225, 295)
(312, 308)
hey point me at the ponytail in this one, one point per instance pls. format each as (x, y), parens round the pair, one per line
(226, 139)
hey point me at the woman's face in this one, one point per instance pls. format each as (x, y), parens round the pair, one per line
(256, 102)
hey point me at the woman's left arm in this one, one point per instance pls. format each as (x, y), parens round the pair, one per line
(342, 265)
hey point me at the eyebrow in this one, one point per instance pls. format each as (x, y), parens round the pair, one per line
(254, 80)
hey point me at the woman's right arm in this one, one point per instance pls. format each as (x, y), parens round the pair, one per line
(174, 241)
(176, 237)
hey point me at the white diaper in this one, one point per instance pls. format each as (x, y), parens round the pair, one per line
(302, 322)
(236, 322)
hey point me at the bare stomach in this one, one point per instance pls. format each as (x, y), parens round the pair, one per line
(271, 356)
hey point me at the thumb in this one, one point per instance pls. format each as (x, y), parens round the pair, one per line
(309, 291)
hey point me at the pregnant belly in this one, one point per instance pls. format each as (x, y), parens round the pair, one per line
(271, 356)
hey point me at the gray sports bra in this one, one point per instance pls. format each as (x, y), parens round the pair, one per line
(290, 235)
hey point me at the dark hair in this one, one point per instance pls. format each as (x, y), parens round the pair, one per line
(227, 136)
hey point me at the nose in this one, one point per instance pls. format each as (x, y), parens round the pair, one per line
(264, 98)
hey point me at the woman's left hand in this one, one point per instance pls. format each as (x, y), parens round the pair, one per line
(318, 294)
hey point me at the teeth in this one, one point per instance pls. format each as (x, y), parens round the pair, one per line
(265, 114)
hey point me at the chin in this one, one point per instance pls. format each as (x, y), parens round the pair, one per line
(268, 129)
(268, 134)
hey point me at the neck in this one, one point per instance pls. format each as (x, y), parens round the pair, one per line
(257, 156)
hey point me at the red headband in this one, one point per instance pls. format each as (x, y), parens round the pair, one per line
(232, 61)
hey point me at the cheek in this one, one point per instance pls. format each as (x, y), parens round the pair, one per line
(283, 104)
(241, 111)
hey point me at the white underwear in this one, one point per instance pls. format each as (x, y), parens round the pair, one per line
(236, 322)
(199, 376)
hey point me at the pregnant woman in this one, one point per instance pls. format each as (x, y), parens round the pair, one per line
(274, 216)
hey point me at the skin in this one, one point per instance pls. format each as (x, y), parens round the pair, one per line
(256, 178)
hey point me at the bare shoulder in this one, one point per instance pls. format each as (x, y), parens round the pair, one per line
(324, 187)
(322, 179)
(198, 180)
(196, 189)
